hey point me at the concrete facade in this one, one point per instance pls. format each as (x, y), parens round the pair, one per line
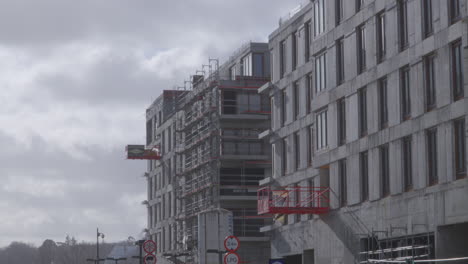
(434, 209)
(211, 155)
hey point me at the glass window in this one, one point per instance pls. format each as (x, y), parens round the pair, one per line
(258, 65)
(457, 70)
(429, 81)
(361, 48)
(403, 23)
(294, 50)
(381, 38)
(383, 103)
(405, 93)
(322, 129)
(427, 18)
(460, 148)
(343, 183)
(320, 73)
(362, 101)
(296, 100)
(364, 167)
(282, 58)
(407, 163)
(319, 17)
(384, 171)
(339, 12)
(247, 65)
(341, 111)
(431, 139)
(454, 10)
(340, 72)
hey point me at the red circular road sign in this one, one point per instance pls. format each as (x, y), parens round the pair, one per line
(231, 258)
(150, 259)
(149, 246)
(231, 243)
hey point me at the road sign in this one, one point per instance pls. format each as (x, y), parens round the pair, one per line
(149, 246)
(231, 258)
(231, 243)
(150, 259)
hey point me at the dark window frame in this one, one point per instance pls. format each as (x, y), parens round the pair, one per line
(429, 81)
(361, 48)
(454, 9)
(381, 36)
(294, 50)
(432, 160)
(405, 93)
(407, 166)
(383, 103)
(284, 157)
(364, 172)
(427, 24)
(282, 58)
(403, 39)
(310, 145)
(456, 68)
(362, 111)
(459, 140)
(340, 72)
(296, 96)
(309, 93)
(341, 120)
(307, 40)
(343, 182)
(339, 12)
(297, 151)
(384, 171)
(283, 107)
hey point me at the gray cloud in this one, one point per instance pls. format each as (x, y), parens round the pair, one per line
(76, 77)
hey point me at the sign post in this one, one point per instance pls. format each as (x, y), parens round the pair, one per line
(231, 244)
(150, 247)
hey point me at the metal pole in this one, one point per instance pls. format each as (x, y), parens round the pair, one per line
(97, 245)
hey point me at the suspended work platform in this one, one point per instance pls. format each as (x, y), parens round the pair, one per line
(139, 152)
(294, 200)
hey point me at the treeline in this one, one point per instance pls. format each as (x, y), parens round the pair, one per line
(50, 252)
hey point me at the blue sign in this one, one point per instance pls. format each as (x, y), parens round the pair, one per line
(276, 261)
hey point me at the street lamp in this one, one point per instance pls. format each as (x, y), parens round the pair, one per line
(140, 243)
(97, 245)
(116, 259)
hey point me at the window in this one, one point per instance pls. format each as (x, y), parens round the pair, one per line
(246, 65)
(427, 18)
(364, 167)
(229, 102)
(309, 93)
(297, 150)
(312, 203)
(361, 48)
(284, 158)
(384, 171)
(403, 24)
(169, 138)
(294, 50)
(340, 71)
(283, 107)
(383, 103)
(341, 111)
(460, 148)
(431, 139)
(407, 163)
(457, 70)
(307, 40)
(322, 129)
(381, 38)
(362, 102)
(429, 81)
(343, 182)
(405, 96)
(149, 131)
(296, 100)
(319, 17)
(258, 64)
(359, 5)
(338, 11)
(282, 58)
(232, 73)
(320, 76)
(309, 146)
(454, 10)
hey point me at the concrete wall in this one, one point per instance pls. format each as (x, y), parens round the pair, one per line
(424, 204)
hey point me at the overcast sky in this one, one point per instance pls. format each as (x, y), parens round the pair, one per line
(75, 80)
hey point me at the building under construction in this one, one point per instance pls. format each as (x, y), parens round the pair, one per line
(368, 133)
(207, 137)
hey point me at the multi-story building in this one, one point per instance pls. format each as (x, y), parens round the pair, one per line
(211, 155)
(368, 104)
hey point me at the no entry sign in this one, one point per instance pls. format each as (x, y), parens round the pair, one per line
(149, 246)
(231, 243)
(231, 258)
(150, 259)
